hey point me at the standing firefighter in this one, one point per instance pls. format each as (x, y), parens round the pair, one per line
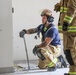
(48, 50)
(67, 26)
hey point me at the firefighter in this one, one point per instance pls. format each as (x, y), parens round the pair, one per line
(49, 49)
(67, 26)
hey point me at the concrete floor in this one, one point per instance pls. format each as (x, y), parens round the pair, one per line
(57, 72)
(36, 71)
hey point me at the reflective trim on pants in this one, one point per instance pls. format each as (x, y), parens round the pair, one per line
(50, 53)
(72, 73)
(53, 62)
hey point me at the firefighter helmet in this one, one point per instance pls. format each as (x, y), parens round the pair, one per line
(48, 13)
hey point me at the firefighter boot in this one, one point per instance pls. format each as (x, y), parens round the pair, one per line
(51, 68)
(66, 74)
(61, 59)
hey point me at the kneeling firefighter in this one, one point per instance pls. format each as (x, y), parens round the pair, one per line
(49, 50)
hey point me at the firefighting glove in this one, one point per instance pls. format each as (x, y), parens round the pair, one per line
(65, 26)
(22, 33)
(35, 50)
(57, 7)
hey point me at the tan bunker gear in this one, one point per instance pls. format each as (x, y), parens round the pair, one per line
(50, 53)
(68, 14)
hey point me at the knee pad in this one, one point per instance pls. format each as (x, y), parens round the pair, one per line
(69, 57)
(40, 55)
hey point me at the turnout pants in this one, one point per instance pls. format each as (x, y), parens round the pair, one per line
(69, 43)
(50, 53)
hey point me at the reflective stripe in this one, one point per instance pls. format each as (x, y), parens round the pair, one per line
(60, 28)
(68, 19)
(63, 9)
(70, 28)
(73, 73)
(45, 28)
(53, 62)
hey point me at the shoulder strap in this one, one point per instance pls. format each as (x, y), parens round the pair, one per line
(50, 28)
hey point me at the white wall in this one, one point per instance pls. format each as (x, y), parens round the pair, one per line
(6, 34)
(27, 15)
